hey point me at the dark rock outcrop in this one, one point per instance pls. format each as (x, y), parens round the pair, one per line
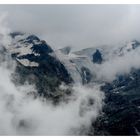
(122, 106)
(49, 73)
(97, 57)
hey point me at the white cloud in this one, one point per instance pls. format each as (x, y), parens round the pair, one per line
(76, 25)
(4, 30)
(21, 114)
(118, 65)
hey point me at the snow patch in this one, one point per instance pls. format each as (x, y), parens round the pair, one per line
(74, 63)
(27, 63)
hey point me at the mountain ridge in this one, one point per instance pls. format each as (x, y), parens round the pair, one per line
(38, 63)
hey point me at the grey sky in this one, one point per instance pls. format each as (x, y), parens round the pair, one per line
(79, 26)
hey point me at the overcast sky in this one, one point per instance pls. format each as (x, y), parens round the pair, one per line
(80, 26)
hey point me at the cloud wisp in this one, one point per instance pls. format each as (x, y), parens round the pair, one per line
(22, 114)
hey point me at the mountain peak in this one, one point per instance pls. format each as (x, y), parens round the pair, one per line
(97, 57)
(32, 38)
(28, 48)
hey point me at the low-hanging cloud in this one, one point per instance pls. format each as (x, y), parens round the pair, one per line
(22, 114)
(118, 65)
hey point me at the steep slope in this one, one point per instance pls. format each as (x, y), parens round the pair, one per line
(122, 104)
(79, 66)
(36, 65)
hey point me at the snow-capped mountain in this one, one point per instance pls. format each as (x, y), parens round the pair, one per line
(39, 64)
(122, 104)
(81, 66)
(36, 65)
(28, 48)
(30, 51)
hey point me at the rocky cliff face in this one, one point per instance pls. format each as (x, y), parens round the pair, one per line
(39, 64)
(36, 65)
(122, 106)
